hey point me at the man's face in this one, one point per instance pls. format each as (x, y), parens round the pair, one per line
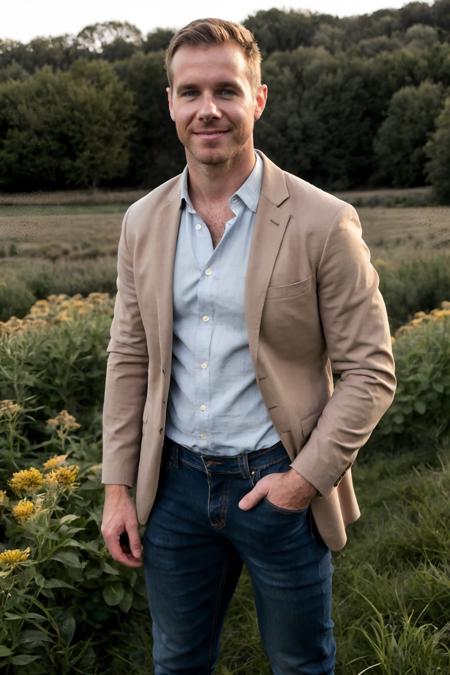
(214, 103)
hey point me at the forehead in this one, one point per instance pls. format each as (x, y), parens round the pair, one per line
(202, 63)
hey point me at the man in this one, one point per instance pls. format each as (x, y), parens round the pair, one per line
(241, 290)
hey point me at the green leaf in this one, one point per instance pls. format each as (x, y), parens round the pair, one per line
(73, 543)
(113, 594)
(23, 659)
(9, 616)
(29, 635)
(4, 650)
(68, 518)
(68, 628)
(68, 558)
(127, 601)
(109, 569)
(58, 583)
(420, 407)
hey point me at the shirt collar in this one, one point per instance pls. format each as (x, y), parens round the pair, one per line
(248, 193)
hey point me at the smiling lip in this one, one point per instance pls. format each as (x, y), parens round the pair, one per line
(211, 134)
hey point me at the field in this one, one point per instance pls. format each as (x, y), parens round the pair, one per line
(65, 233)
(392, 590)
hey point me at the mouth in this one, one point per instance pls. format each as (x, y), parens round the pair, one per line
(211, 134)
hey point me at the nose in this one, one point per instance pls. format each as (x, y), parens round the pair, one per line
(208, 109)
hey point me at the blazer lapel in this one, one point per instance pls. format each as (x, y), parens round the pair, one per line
(164, 259)
(272, 218)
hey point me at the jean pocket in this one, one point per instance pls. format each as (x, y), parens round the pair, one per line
(281, 509)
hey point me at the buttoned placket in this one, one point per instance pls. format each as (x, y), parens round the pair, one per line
(208, 261)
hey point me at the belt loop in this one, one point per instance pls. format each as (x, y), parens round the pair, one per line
(244, 466)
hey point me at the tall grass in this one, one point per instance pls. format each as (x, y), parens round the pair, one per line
(414, 285)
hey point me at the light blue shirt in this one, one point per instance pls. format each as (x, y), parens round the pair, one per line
(215, 405)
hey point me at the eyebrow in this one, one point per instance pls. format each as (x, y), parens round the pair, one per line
(220, 85)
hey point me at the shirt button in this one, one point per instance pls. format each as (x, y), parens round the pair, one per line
(203, 435)
(203, 407)
(198, 226)
(204, 365)
(208, 272)
(205, 318)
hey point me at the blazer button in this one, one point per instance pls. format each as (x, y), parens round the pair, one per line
(161, 430)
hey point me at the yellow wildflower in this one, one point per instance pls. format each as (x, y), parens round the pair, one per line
(3, 498)
(27, 480)
(54, 462)
(14, 556)
(63, 420)
(9, 408)
(63, 316)
(23, 510)
(65, 476)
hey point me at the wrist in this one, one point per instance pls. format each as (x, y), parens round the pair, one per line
(116, 491)
(297, 479)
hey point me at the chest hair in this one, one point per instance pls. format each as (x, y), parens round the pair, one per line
(216, 216)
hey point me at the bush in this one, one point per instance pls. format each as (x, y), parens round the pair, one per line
(61, 592)
(419, 413)
(56, 356)
(438, 151)
(16, 298)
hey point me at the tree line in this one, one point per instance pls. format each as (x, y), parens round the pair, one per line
(353, 102)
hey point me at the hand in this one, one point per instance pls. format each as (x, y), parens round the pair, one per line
(288, 490)
(120, 526)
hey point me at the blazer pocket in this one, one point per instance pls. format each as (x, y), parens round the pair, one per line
(289, 290)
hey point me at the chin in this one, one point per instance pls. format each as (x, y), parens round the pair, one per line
(211, 158)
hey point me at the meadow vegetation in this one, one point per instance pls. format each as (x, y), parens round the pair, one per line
(67, 608)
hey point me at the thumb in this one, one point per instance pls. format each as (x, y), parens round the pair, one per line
(252, 498)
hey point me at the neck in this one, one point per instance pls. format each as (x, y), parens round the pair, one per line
(217, 182)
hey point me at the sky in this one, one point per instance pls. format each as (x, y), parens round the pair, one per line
(23, 20)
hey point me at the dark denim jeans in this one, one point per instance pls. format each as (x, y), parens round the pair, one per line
(195, 543)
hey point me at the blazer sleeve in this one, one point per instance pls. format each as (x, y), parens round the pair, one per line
(126, 376)
(357, 336)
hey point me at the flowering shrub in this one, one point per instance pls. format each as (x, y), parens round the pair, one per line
(54, 359)
(57, 309)
(419, 413)
(59, 589)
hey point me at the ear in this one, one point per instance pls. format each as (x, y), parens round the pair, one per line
(261, 100)
(169, 100)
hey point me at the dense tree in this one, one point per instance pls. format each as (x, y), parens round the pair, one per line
(438, 152)
(157, 40)
(60, 129)
(400, 141)
(276, 30)
(414, 13)
(73, 108)
(96, 37)
(155, 153)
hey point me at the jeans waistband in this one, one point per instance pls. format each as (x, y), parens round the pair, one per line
(244, 464)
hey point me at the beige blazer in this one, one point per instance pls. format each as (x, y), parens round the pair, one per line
(312, 309)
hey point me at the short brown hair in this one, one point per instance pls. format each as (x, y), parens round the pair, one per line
(211, 32)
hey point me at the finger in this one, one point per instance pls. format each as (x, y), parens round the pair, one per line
(118, 554)
(134, 541)
(252, 498)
